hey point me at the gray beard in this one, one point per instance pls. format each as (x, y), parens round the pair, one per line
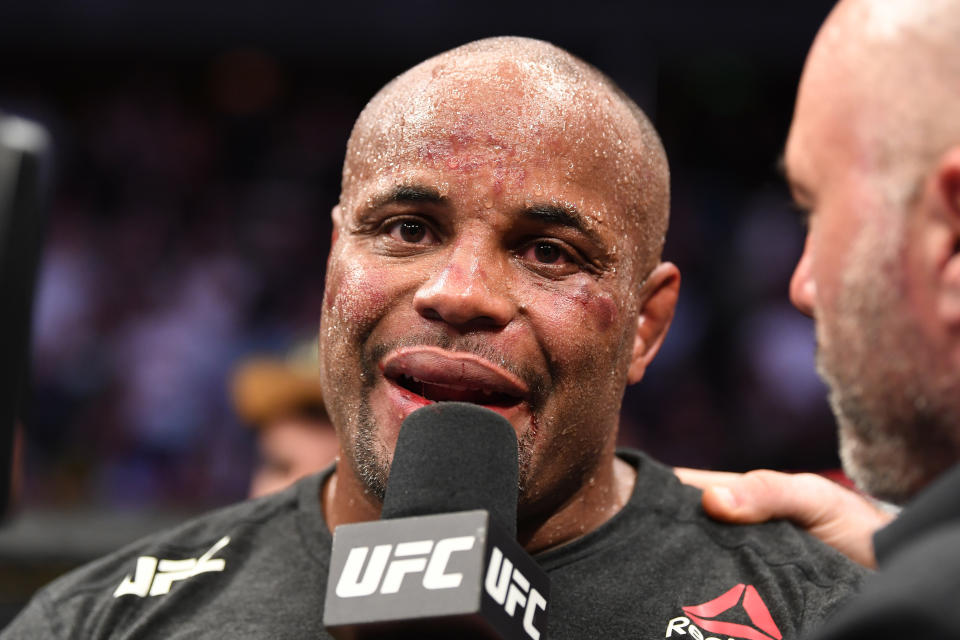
(886, 456)
(896, 404)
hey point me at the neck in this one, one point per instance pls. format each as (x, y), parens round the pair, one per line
(600, 497)
(346, 500)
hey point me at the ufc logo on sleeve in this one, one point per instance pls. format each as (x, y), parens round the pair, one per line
(154, 577)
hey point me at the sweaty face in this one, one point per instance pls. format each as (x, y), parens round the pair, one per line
(485, 252)
(857, 277)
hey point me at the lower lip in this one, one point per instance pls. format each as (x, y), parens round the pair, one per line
(403, 402)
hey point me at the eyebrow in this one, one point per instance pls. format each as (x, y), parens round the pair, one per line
(562, 216)
(798, 191)
(406, 194)
(543, 213)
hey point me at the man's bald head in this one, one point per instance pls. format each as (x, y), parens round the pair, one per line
(900, 61)
(525, 95)
(498, 241)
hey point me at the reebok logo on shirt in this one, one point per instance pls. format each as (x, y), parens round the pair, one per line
(714, 620)
(155, 577)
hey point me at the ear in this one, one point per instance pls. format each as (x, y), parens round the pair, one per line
(659, 302)
(947, 195)
(337, 217)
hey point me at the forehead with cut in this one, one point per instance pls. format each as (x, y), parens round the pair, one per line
(508, 66)
(517, 101)
(517, 98)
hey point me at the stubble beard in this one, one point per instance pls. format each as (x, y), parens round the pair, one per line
(895, 404)
(371, 460)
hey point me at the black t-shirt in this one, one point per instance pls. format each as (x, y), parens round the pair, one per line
(916, 594)
(658, 569)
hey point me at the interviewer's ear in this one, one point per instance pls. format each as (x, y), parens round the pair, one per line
(660, 300)
(947, 193)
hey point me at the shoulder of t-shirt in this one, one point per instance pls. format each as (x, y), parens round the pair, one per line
(191, 539)
(914, 595)
(778, 543)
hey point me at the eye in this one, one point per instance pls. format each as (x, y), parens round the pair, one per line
(547, 253)
(410, 231)
(552, 256)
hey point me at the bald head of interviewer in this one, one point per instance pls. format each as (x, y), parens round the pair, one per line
(874, 155)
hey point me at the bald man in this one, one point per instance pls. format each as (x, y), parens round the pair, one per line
(497, 241)
(874, 155)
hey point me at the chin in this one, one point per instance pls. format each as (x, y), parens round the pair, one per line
(884, 468)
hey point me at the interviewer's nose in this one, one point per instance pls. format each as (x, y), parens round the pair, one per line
(802, 287)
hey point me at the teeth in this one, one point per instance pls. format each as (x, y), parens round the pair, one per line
(483, 395)
(455, 387)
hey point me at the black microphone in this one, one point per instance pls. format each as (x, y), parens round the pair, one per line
(443, 561)
(24, 177)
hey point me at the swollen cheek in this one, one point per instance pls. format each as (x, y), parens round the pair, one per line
(354, 299)
(601, 309)
(578, 325)
(592, 310)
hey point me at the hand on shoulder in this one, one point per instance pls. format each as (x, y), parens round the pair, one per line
(837, 516)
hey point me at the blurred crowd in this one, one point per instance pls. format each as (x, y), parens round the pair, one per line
(189, 230)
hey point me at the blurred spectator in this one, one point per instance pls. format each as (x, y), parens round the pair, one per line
(282, 401)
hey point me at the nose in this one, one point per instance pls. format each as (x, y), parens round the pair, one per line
(802, 287)
(469, 291)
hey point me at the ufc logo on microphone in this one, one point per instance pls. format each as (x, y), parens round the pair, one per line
(393, 564)
(510, 588)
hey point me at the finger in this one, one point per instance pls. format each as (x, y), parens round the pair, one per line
(702, 479)
(758, 496)
(837, 516)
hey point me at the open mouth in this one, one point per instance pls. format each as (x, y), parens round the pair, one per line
(436, 392)
(438, 375)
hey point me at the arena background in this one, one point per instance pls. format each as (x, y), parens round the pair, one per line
(198, 151)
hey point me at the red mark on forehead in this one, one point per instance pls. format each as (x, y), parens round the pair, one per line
(498, 176)
(506, 168)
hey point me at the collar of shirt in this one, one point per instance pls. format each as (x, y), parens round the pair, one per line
(935, 506)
